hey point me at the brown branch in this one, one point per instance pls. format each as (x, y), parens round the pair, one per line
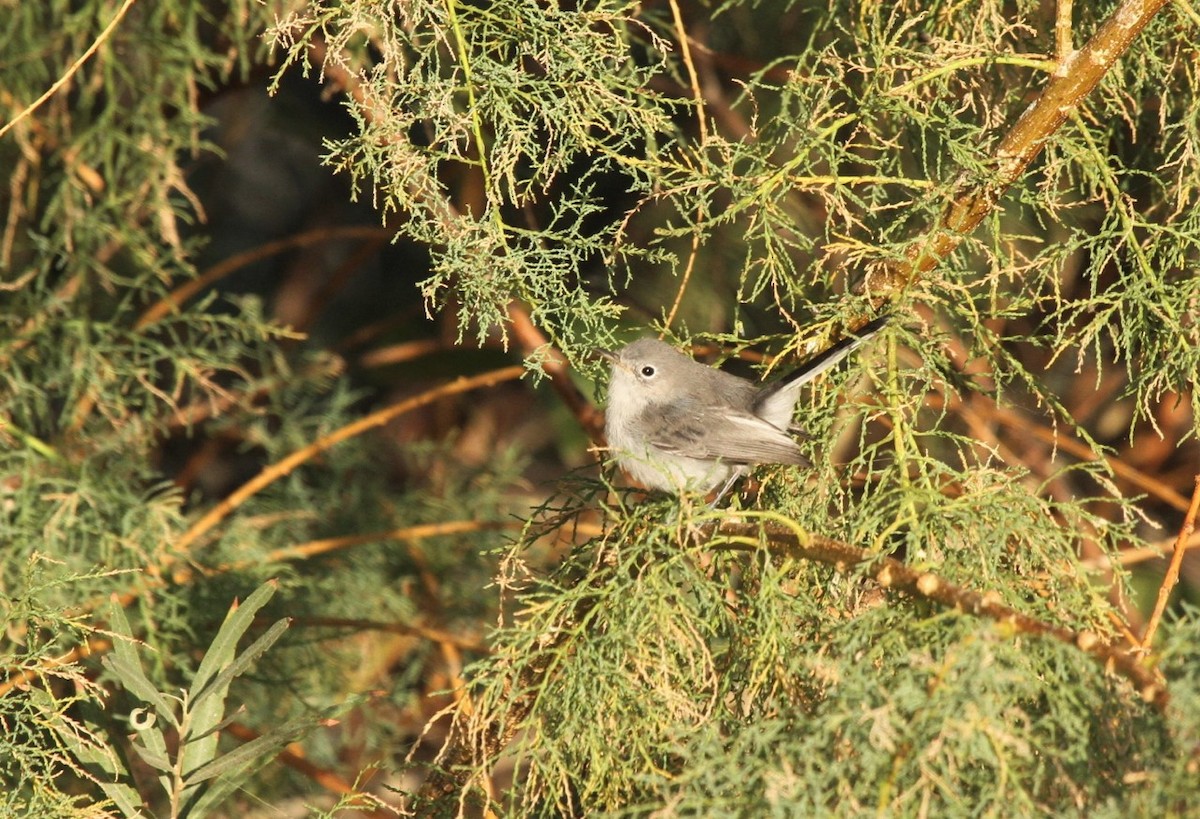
(280, 469)
(1027, 426)
(293, 757)
(1172, 575)
(433, 635)
(223, 268)
(529, 338)
(892, 574)
(1074, 79)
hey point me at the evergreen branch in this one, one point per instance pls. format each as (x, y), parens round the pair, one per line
(1021, 60)
(1172, 576)
(893, 574)
(693, 253)
(973, 200)
(1147, 483)
(702, 125)
(434, 607)
(214, 405)
(156, 574)
(26, 676)
(527, 335)
(464, 60)
(440, 209)
(472, 742)
(693, 79)
(633, 678)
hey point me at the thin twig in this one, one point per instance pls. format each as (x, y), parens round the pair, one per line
(70, 72)
(687, 270)
(1130, 557)
(1172, 575)
(223, 268)
(280, 469)
(1063, 46)
(702, 124)
(686, 52)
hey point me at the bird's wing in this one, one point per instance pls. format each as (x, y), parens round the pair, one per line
(709, 433)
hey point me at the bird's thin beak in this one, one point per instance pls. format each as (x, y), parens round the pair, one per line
(607, 355)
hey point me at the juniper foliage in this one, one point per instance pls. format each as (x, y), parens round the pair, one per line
(749, 177)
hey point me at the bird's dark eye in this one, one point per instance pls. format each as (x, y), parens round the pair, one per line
(647, 371)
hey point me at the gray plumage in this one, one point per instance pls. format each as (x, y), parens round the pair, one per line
(677, 425)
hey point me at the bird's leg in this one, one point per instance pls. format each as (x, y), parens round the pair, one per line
(733, 478)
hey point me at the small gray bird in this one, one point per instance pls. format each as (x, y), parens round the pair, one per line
(677, 425)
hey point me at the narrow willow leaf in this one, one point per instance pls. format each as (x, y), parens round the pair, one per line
(221, 652)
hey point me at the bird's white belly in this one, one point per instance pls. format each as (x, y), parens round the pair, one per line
(675, 474)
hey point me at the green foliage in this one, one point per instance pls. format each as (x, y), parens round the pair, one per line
(553, 101)
(37, 630)
(195, 779)
(1017, 430)
(721, 683)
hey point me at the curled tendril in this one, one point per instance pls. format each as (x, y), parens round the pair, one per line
(141, 719)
